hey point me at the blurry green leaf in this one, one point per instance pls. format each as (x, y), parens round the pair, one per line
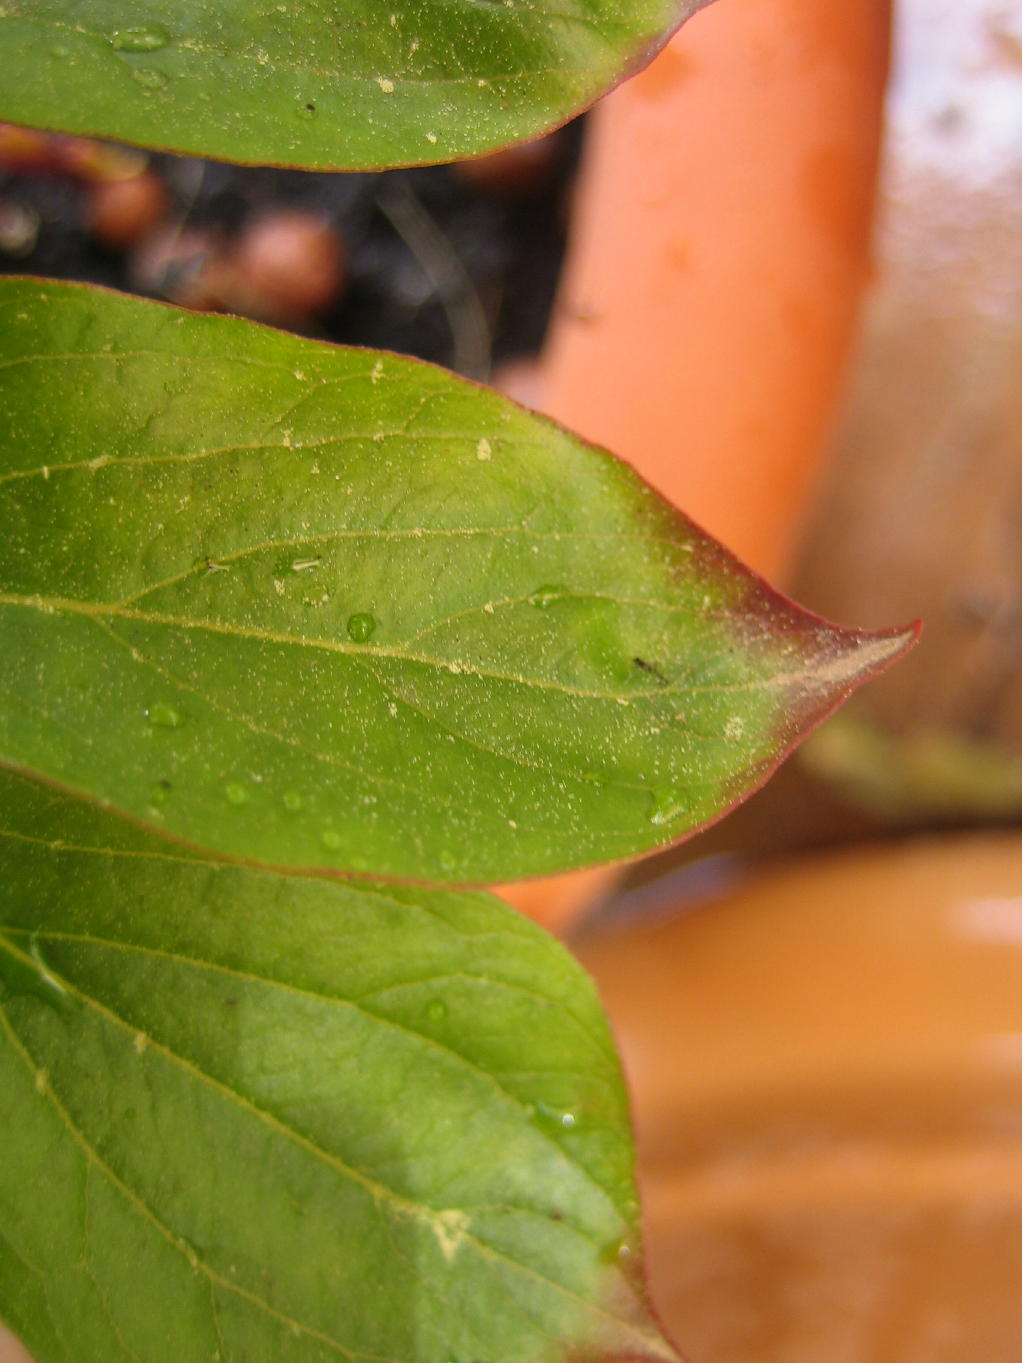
(315, 606)
(316, 83)
(271, 1118)
(919, 774)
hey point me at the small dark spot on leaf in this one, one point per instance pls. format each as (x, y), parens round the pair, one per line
(653, 671)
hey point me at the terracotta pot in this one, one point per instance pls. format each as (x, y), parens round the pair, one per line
(718, 257)
(11, 1350)
(827, 1078)
(718, 253)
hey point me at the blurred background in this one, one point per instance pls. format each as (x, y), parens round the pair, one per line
(781, 273)
(455, 264)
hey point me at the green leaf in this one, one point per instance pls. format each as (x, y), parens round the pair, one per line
(318, 83)
(316, 606)
(251, 1116)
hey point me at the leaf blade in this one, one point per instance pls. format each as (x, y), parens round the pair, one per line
(300, 1120)
(328, 608)
(367, 87)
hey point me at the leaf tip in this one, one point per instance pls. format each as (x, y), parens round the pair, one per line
(865, 654)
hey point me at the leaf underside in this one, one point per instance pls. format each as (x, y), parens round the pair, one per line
(261, 1117)
(326, 608)
(319, 84)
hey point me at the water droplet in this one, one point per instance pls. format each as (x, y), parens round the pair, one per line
(164, 716)
(160, 794)
(618, 1251)
(330, 839)
(436, 1010)
(361, 627)
(236, 793)
(666, 807)
(140, 38)
(552, 1117)
(60, 51)
(546, 595)
(33, 978)
(293, 801)
(35, 951)
(148, 78)
(448, 861)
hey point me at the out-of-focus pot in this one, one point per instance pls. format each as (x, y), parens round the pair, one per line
(827, 1078)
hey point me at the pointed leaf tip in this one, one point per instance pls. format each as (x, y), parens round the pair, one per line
(316, 627)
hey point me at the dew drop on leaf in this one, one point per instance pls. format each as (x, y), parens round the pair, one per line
(148, 78)
(361, 627)
(436, 1010)
(665, 807)
(546, 596)
(330, 838)
(292, 801)
(164, 716)
(552, 1117)
(615, 1252)
(236, 793)
(140, 38)
(35, 980)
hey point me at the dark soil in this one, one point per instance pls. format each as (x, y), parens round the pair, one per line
(436, 268)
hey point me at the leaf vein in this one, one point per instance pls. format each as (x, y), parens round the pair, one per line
(142, 1208)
